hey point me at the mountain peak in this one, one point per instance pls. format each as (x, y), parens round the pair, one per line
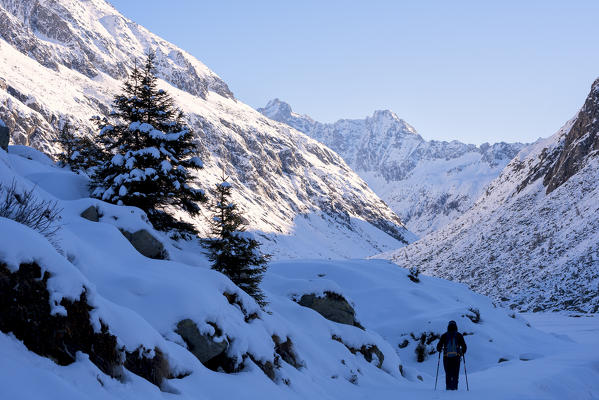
(385, 114)
(276, 109)
(388, 118)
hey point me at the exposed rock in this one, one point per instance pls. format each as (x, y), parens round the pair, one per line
(234, 299)
(286, 351)
(25, 311)
(332, 306)
(154, 369)
(146, 244)
(581, 142)
(369, 351)
(4, 136)
(268, 367)
(203, 346)
(91, 213)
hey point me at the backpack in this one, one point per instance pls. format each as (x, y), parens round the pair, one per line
(451, 346)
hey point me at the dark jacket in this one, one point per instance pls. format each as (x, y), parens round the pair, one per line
(460, 342)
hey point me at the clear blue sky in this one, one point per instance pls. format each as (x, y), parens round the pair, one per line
(475, 71)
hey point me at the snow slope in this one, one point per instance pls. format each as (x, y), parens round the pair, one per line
(141, 300)
(532, 240)
(427, 183)
(63, 60)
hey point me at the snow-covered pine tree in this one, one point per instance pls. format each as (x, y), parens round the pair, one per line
(67, 142)
(78, 152)
(151, 152)
(233, 251)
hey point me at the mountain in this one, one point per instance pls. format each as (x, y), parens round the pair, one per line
(532, 240)
(64, 60)
(427, 183)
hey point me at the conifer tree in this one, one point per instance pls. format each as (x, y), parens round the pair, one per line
(233, 251)
(150, 153)
(78, 152)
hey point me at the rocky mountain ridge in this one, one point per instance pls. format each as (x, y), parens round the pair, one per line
(427, 183)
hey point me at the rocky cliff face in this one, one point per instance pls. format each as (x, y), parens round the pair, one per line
(428, 183)
(581, 143)
(532, 240)
(91, 37)
(63, 60)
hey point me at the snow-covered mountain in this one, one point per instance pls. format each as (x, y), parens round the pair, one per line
(64, 60)
(532, 240)
(427, 183)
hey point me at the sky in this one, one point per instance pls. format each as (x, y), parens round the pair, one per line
(475, 71)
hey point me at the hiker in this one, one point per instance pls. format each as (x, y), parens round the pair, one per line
(453, 345)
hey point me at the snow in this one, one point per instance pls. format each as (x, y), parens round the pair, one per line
(141, 300)
(427, 183)
(301, 199)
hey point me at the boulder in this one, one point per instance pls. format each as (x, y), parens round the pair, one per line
(4, 136)
(332, 306)
(146, 244)
(201, 345)
(91, 213)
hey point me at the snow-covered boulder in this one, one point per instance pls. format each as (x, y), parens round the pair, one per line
(56, 312)
(146, 244)
(203, 345)
(91, 214)
(332, 306)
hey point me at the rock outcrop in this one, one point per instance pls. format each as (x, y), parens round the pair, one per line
(91, 214)
(25, 311)
(205, 347)
(4, 136)
(146, 244)
(581, 142)
(332, 306)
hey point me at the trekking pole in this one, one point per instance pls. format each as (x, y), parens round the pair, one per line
(437, 375)
(465, 373)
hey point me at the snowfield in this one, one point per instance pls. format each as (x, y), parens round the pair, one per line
(141, 300)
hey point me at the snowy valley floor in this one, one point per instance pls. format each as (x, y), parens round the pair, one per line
(571, 373)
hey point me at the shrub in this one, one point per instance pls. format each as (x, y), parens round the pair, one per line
(27, 209)
(413, 275)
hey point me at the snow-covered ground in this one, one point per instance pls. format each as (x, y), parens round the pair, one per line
(141, 300)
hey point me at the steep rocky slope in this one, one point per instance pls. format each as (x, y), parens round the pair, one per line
(63, 60)
(532, 240)
(427, 183)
